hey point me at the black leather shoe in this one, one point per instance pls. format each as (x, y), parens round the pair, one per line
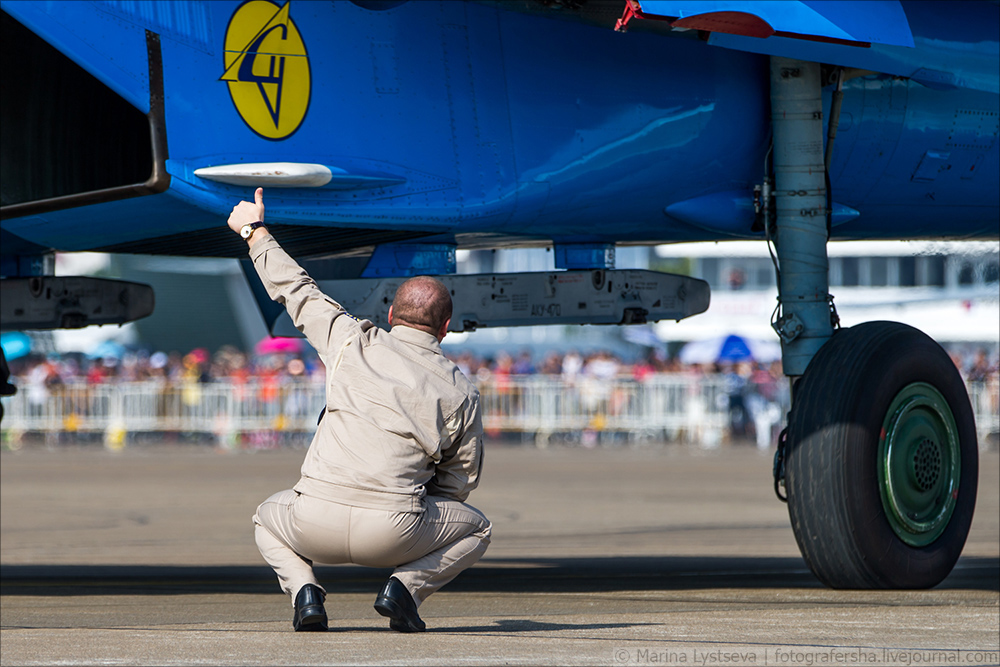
(396, 603)
(310, 616)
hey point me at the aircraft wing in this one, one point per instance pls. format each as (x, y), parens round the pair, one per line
(849, 23)
(869, 35)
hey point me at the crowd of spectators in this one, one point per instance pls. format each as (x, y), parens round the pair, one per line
(756, 394)
(228, 363)
(233, 365)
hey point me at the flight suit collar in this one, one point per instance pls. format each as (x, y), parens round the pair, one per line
(416, 337)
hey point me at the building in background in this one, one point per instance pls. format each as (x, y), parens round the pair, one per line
(949, 290)
(200, 302)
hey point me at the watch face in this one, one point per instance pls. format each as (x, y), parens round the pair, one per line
(246, 231)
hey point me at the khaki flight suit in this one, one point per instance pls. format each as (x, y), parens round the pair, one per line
(396, 454)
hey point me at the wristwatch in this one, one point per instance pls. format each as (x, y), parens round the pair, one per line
(247, 229)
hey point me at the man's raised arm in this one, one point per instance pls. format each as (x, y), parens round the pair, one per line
(313, 313)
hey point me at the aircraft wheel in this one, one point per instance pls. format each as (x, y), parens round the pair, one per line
(882, 461)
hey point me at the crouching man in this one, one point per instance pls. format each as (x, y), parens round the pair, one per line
(396, 452)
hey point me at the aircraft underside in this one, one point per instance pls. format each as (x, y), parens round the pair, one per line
(388, 135)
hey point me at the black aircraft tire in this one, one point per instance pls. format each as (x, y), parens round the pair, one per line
(882, 460)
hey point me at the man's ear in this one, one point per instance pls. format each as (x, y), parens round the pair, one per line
(390, 315)
(444, 330)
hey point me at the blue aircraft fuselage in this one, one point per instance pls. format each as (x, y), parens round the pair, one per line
(465, 123)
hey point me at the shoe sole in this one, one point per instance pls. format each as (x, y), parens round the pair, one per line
(314, 621)
(397, 621)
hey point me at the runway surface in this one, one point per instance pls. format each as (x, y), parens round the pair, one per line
(626, 555)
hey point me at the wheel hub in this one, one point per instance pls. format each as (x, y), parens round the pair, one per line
(919, 464)
(927, 465)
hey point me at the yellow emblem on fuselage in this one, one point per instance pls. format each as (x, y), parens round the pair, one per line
(267, 69)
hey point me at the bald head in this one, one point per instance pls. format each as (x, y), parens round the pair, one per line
(422, 303)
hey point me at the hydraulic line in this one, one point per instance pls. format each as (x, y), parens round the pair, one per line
(833, 122)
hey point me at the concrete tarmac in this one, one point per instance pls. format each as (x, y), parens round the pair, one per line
(618, 555)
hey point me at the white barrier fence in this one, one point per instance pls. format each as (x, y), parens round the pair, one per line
(985, 399)
(682, 408)
(672, 407)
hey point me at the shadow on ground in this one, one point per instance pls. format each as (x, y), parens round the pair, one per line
(551, 575)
